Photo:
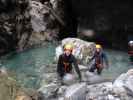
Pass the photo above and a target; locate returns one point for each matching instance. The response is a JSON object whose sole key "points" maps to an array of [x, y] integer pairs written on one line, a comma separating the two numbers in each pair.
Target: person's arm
{"points": [[106, 60], [76, 67], [59, 66]]}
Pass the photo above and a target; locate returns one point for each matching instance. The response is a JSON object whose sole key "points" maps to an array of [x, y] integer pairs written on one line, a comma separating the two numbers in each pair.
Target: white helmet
{"points": [[130, 43]]}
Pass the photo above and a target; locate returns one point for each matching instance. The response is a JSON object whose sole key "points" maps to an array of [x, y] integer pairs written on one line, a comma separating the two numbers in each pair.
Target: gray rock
{"points": [[82, 50], [75, 92], [49, 90], [92, 78], [96, 89], [121, 89], [36, 12], [48, 78], [42, 22], [124, 81], [62, 90], [82, 67], [99, 91]]}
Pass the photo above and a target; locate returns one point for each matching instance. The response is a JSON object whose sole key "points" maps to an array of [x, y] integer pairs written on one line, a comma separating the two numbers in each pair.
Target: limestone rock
{"points": [[124, 82], [76, 92], [49, 90], [82, 50], [42, 22]]}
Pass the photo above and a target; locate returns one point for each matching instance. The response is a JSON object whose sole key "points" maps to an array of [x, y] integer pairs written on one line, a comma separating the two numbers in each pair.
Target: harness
{"points": [[66, 66], [98, 60]]}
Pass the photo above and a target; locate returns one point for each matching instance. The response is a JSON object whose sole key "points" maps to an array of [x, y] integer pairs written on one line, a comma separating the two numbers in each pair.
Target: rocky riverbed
{"points": [[37, 72], [92, 87]]}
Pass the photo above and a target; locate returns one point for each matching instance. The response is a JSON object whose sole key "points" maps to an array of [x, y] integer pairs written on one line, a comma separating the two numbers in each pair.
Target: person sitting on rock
{"points": [[65, 62], [99, 58]]}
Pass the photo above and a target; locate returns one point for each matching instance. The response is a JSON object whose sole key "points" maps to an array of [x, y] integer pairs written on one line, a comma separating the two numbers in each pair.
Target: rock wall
{"points": [[14, 22], [24, 23], [45, 20], [99, 21]]}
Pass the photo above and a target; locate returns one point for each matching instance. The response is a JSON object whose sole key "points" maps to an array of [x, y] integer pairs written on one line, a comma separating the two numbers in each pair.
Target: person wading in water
{"points": [[99, 58], [65, 62]]}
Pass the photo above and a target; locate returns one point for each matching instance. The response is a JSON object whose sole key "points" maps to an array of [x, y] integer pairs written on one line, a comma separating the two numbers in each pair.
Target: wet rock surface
{"points": [[82, 50], [117, 90], [92, 87]]}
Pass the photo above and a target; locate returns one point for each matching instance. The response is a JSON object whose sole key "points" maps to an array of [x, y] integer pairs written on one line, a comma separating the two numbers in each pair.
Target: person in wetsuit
{"points": [[99, 58], [65, 62]]}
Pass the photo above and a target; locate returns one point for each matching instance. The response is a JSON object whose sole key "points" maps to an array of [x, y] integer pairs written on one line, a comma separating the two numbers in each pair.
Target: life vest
{"points": [[67, 63]]}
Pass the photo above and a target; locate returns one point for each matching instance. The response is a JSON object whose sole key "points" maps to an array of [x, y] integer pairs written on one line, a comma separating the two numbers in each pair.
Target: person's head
{"points": [[98, 47], [130, 43], [68, 49]]}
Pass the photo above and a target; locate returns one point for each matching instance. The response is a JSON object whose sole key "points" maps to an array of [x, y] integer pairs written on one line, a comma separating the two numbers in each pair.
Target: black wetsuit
{"points": [[65, 65]]}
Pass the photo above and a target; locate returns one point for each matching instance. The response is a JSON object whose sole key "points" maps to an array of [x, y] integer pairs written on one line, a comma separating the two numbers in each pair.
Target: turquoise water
{"points": [[119, 63], [26, 64]]}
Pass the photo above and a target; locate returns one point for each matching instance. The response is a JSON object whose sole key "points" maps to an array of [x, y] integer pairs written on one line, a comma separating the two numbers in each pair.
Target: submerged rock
{"points": [[49, 90], [92, 78]]}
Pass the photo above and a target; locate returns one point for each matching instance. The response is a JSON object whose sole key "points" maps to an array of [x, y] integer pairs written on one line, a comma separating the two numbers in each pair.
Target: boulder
{"points": [[49, 90], [62, 90], [82, 50], [76, 92], [120, 89], [99, 91], [124, 82], [93, 87]]}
